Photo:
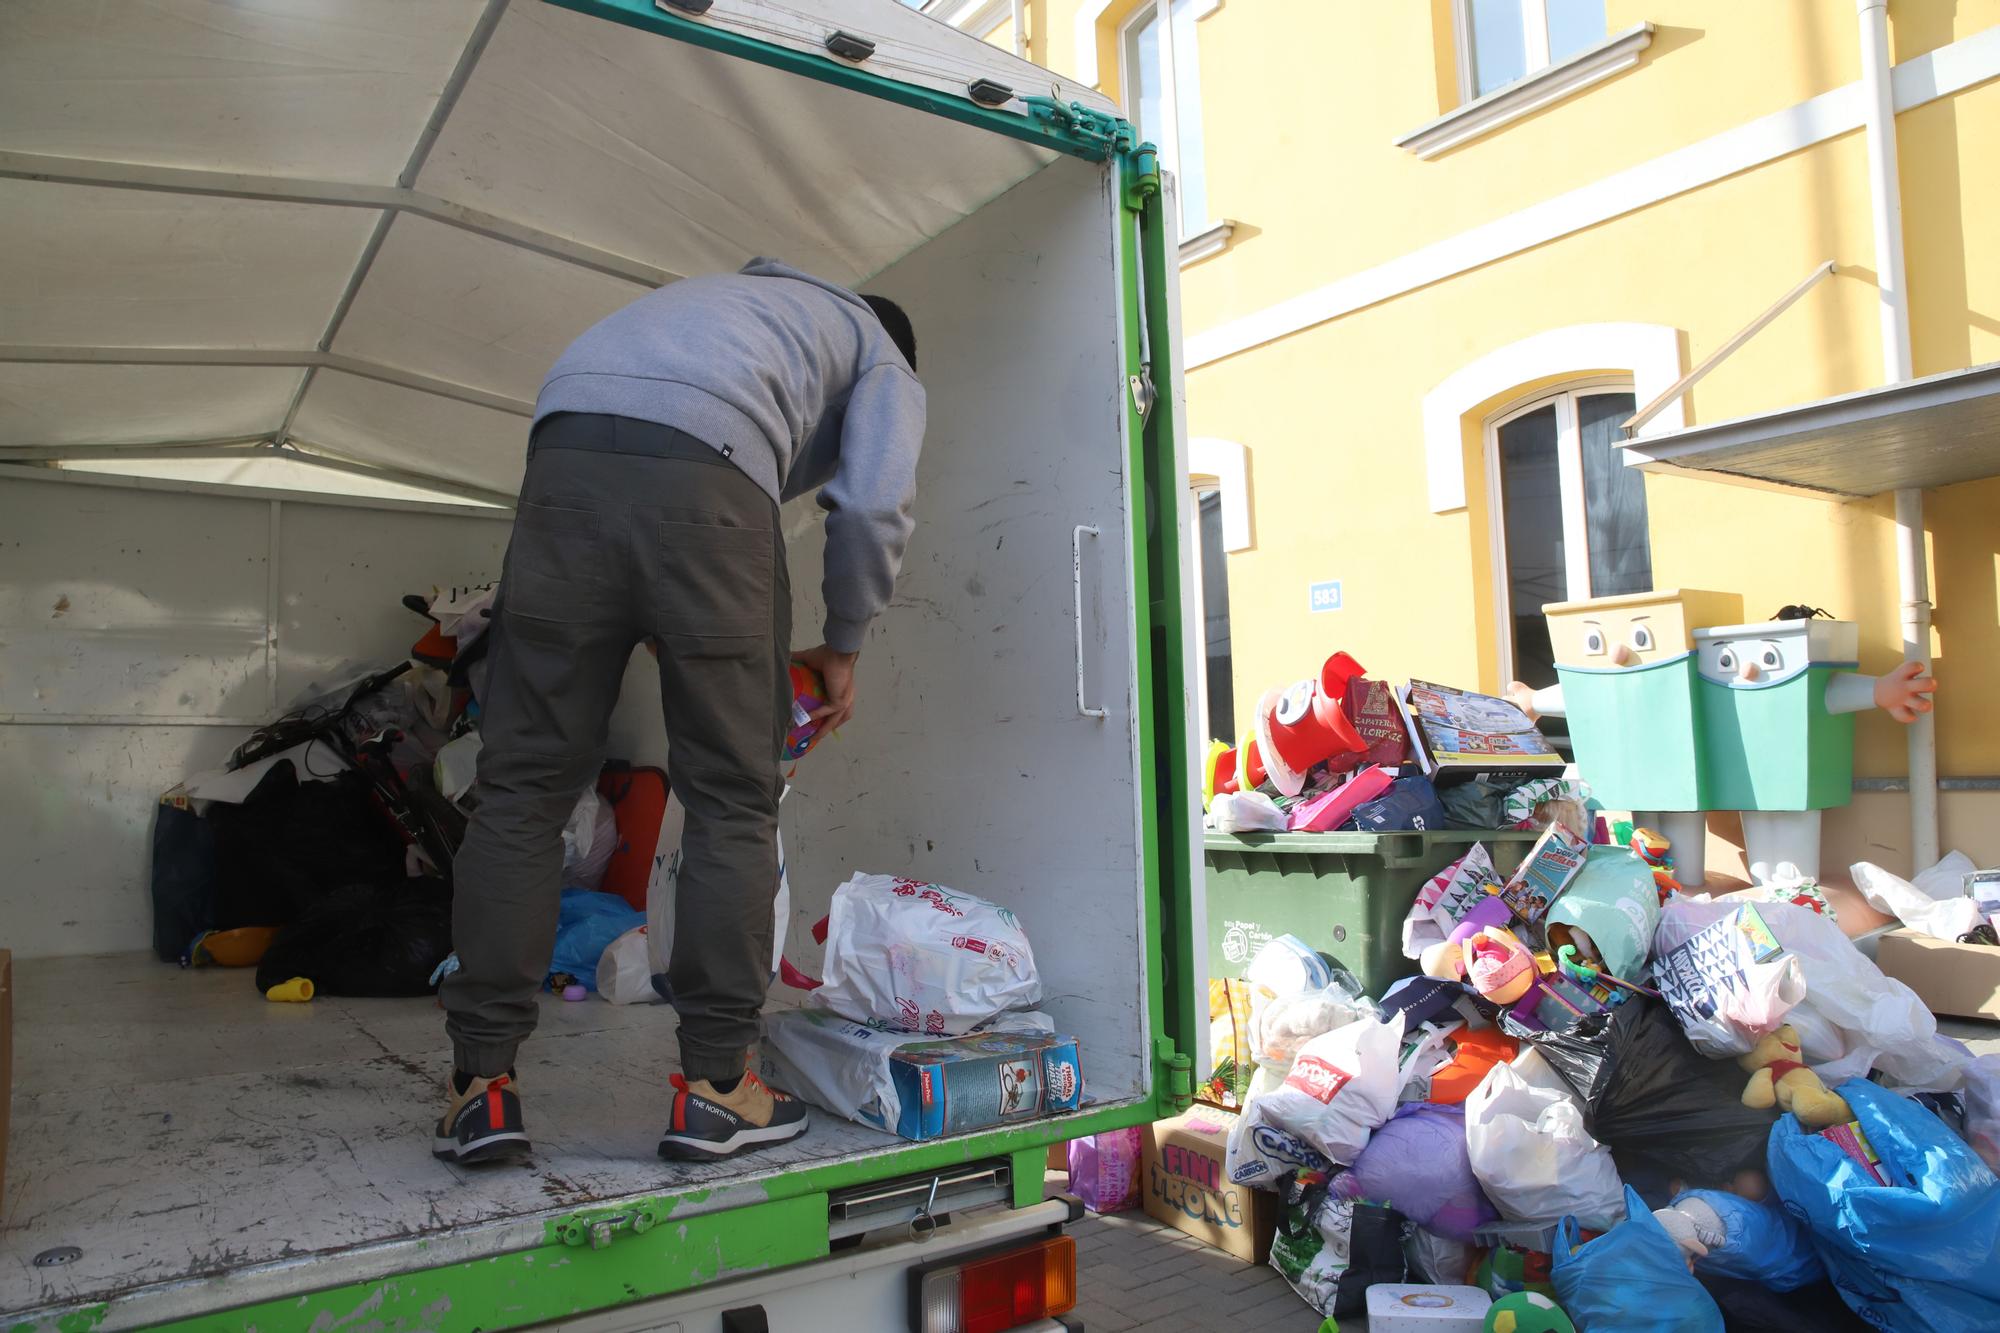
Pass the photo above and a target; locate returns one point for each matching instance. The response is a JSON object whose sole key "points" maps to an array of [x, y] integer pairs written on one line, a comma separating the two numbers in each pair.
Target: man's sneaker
{"points": [[708, 1124], [483, 1122]]}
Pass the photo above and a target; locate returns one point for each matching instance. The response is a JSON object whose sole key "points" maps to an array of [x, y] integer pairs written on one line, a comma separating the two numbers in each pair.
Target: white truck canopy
{"points": [[245, 237]]}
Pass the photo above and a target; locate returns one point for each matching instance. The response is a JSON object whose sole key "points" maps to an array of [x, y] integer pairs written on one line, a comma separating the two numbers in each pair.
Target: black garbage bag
{"points": [[1666, 1111], [1314, 1214], [365, 939], [1752, 1307], [183, 879], [291, 842]]}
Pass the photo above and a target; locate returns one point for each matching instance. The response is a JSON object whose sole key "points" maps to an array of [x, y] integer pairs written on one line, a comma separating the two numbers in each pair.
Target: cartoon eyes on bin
{"points": [[1642, 639], [1593, 642], [1728, 659]]}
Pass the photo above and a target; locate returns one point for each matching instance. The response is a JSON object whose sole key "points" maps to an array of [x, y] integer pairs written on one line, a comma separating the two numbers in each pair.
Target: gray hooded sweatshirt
{"points": [[792, 379]]}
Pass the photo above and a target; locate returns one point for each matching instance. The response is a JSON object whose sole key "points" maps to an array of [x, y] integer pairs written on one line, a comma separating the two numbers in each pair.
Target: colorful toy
{"points": [[1778, 1078], [1527, 1312], [1307, 724], [808, 694], [1446, 961], [1498, 965], [1677, 709]]}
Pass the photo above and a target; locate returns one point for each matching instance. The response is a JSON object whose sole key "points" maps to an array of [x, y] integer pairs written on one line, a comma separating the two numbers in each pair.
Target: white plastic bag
{"points": [[589, 838], [1288, 965], [843, 1066], [1853, 1017], [1935, 904], [1982, 1108], [1281, 1026], [663, 884], [1246, 812], [625, 970], [1340, 1088], [1533, 1156], [1724, 998], [924, 958]]}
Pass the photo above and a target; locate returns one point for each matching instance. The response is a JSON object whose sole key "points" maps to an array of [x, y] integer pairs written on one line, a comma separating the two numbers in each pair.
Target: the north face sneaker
{"points": [[483, 1122], [708, 1124]]}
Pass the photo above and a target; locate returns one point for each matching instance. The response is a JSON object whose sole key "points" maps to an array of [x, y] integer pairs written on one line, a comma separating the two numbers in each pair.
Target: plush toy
{"points": [[1777, 1078], [1527, 1312]]}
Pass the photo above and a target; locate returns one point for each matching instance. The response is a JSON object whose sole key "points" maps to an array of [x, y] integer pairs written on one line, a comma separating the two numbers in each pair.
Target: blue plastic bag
{"points": [[1917, 1253], [1766, 1244], [588, 924], [1632, 1279], [1410, 803]]}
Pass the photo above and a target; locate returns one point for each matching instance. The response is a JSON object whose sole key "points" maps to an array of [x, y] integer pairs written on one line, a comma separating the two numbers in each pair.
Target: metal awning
{"points": [[1919, 433]]}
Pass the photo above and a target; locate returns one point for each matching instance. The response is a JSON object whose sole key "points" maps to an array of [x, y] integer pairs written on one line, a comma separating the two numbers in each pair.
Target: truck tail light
{"points": [[1000, 1291]]}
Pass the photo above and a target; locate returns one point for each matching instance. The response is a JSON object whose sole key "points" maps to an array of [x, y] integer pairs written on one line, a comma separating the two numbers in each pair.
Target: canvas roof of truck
{"points": [[354, 233]]}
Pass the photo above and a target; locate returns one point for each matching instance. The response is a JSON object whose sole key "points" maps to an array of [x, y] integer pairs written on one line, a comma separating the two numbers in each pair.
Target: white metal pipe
{"points": [[1912, 560], [1020, 29]]}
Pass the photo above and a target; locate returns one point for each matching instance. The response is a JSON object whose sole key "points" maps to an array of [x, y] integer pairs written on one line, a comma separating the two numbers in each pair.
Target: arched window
{"points": [[1568, 517]]}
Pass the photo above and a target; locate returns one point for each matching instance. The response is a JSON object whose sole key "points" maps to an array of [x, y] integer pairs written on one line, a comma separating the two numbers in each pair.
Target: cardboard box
{"points": [[983, 1079], [1186, 1187], [1958, 979]]}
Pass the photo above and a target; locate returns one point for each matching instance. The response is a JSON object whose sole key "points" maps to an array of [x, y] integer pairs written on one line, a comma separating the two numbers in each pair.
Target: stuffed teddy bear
{"points": [[1778, 1079]]}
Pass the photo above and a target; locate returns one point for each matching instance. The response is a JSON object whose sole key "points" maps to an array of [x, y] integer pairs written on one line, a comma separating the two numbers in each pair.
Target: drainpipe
{"points": [[1020, 30], [1912, 560]]}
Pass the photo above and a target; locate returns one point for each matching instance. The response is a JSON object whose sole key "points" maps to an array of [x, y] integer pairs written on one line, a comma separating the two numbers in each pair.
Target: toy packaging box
{"points": [[1545, 873], [1185, 1186], [983, 1080]]}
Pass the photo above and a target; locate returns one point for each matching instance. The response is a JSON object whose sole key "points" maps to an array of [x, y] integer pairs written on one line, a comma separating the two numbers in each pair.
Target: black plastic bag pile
{"points": [[1666, 1111]]}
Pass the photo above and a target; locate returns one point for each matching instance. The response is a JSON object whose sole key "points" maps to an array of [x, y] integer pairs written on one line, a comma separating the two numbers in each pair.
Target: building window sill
{"points": [[1210, 240], [1503, 106]]}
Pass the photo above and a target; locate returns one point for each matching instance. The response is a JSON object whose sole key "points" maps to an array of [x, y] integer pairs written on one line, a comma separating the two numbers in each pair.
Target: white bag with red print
{"points": [[1339, 1090], [923, 958]]}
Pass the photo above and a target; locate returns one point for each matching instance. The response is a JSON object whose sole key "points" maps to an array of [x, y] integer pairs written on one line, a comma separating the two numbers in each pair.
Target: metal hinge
{"points": [[1144, 395], [598, 1227], [1099, 128], [1177, 1074]]}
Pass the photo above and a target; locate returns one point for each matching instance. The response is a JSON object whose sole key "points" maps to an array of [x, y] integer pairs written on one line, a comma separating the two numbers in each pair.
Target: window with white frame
{"points": [[1504, 40], [1569, 518], [1162, 77]]}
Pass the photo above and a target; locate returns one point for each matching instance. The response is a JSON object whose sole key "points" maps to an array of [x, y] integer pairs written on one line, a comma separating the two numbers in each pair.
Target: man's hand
{"points": [[837, 670], [1523, 697], [1905, 692]]}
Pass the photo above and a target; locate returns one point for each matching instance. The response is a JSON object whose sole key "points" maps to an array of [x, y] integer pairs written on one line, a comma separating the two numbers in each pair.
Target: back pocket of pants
{"points": [[713, 581], [555, 563]]}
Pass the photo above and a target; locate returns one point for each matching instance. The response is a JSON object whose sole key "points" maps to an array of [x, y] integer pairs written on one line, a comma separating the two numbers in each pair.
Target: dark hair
{"points": [[897, 325]]}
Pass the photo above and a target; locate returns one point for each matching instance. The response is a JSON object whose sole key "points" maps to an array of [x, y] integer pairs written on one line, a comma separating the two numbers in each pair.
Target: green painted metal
{"points": [[1165, 741], [552, 1280], [78, 1321], [1081, 134], [1345, 894]]}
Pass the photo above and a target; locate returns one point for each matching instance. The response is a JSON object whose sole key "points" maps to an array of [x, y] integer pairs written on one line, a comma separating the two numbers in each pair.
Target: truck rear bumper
{"points": [[868, 1288]]}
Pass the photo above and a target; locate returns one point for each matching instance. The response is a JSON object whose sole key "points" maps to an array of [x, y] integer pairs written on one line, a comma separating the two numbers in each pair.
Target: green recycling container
{"points": [[1345, 894]]}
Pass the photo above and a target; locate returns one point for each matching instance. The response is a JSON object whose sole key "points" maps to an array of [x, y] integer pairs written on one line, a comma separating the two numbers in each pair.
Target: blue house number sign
{"points": [[1326, 596]]}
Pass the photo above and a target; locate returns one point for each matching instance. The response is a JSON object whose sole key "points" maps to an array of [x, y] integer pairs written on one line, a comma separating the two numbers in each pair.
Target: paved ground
{"points": [[1139, 1274]]}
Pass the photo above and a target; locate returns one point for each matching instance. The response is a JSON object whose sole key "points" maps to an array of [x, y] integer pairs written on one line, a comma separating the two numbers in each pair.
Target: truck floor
{"points": [[174, 1125]]}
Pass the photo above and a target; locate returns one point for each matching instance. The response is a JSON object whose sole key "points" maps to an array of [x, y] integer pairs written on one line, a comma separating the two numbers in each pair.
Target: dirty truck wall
{"points": [[143, 633]]}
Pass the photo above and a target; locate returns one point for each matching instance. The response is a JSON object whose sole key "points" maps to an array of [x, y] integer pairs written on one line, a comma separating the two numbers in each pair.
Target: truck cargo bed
{"points": [[172, 1125]]}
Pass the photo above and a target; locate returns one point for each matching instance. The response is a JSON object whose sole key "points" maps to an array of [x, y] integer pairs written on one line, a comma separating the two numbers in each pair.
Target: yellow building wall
{"points": [[1302, 103]]}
